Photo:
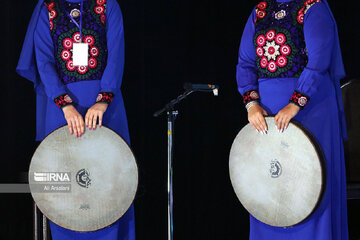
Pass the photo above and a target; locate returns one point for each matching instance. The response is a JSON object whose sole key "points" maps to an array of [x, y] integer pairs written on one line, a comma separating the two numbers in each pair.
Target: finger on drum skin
{"points": [[88, 125], [100, 120], [73, 125], [87, 119], [258, 126], [90, 120], [263, 123], [276, 119], [253, 125], [277, 122], [78, 129], [82, 125], [287, 124], [94, 121], [280, 124], [283, 124], [261, 126], [78, 126], [70, 127], [255, 128]]}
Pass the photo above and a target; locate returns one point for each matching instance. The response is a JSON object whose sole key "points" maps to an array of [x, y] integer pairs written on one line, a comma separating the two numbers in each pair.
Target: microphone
{"points": [[202, 87]]}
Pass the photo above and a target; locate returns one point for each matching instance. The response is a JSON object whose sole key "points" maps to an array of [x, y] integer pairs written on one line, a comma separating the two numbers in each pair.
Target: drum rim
{"points": [[137, 186], [323, 165], [322, 161]]}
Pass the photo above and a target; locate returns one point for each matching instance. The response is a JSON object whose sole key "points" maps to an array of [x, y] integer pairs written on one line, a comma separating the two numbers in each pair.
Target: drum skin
{"points": [[103, 178], [279, 177]]}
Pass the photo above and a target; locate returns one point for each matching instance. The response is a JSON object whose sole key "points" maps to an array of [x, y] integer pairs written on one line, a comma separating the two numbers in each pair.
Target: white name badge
{"points": [[80, 54]]}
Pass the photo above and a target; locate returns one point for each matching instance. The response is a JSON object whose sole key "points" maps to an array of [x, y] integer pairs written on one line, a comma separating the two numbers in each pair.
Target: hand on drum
{"points": [[94, 113], [74, 120], [256, 118], [282, 119]]}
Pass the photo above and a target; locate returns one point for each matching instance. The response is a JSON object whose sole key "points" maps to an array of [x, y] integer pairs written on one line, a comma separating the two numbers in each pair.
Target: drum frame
{"points": [[45, 215], [322, 161]]}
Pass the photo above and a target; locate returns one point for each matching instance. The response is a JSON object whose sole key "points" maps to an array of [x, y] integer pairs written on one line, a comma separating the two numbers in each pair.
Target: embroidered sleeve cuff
{"points": [[105, 97], [299, 99], [63, 100], [250, 96]]}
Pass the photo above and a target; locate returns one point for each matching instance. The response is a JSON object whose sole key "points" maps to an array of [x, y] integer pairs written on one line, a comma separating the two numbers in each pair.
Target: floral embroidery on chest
{"points": [[65, 33], [275, 50], [279, 38]]}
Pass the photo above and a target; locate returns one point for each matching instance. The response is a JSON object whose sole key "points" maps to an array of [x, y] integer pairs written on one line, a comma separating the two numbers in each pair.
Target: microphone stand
{"points": [[171, 117]]}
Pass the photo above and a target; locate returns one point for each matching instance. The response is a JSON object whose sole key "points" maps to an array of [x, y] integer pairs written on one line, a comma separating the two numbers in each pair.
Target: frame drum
{"points": [[83, 184], [279, 177]]}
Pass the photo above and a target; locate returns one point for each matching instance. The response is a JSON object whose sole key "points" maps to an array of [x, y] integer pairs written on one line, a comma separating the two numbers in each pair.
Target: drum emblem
{"points": [[275, 168], [83, 179]]}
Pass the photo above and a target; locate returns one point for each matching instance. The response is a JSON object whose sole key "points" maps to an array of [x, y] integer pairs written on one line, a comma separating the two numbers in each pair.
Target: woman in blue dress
{"points": [[290, 66], [78, 95]]}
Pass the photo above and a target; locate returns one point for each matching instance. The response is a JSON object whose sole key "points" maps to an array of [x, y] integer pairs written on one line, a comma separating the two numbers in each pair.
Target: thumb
{"points": [[265, 113]]}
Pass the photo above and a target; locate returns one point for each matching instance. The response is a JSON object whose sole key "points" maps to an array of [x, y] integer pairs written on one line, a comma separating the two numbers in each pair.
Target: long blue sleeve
{"points": [[45, 60], [319, 37], [246, 70], [112, 77]]}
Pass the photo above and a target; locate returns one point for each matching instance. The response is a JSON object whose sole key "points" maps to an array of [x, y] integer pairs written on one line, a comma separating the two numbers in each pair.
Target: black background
{"points": [[167, 43]]}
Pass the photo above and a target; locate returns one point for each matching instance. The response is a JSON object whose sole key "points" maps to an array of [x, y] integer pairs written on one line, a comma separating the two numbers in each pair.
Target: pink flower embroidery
{"points": [[272, 50]]}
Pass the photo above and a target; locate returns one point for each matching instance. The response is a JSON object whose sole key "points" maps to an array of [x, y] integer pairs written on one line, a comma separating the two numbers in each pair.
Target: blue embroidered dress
{"points": [[290, 52], [46, 60]]}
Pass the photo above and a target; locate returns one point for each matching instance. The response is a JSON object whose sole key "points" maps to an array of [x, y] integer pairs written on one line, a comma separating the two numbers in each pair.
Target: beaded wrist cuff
{"points": [[250, 96], [63, 100], [299, 99], [105, 97]]}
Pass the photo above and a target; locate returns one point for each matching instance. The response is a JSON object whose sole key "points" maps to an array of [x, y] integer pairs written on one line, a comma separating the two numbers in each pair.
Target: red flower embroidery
{"points": [[100, 2], [92, 62], [285, 50], [89, 40], [52, 14], [50, 5], [301, 13], [70, 66], [281, 61], [280, 39], [260, 10], [65, 54], [103, 18], [82, 69], [260, 13], [272, 66], [301, 10], [260, 51], [99, 9], [300, 18], [94, 51], [68, 43], [261, 40], [76, 37], [263, 62], [270, 35], [262, 5]]}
